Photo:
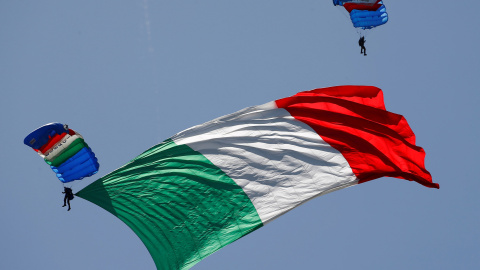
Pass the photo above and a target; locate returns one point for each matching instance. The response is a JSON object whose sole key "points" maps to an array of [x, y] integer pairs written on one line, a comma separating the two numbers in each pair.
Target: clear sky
{"points": [[129, 74]]}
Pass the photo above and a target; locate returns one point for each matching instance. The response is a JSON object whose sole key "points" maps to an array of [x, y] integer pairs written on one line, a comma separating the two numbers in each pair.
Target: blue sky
{"points": [[129, 74]]}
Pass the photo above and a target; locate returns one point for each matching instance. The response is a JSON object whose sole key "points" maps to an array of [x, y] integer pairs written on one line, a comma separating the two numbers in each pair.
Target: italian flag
{"points": [[211, 184]]}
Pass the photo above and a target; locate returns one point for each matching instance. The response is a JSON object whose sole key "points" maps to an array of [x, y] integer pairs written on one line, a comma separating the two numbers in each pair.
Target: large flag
{"points": [[211, 184]]}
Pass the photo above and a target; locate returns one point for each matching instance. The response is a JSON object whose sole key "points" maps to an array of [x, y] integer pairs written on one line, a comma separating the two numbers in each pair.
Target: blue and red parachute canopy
{"points": [[365, 14]]}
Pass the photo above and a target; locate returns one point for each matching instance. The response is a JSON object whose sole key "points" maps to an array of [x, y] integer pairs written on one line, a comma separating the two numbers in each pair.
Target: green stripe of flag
{"points": [[181, 205]]}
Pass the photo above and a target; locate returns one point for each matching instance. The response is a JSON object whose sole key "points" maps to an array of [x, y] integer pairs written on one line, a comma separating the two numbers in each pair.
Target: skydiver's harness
{"points": [[70, 195], [361, 42]]}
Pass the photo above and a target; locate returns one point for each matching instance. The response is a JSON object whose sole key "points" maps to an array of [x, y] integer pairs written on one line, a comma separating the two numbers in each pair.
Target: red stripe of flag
{"points": [[353, 120]]}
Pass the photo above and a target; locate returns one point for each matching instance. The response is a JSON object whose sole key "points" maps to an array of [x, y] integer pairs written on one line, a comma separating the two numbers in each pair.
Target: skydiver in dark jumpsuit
{"points": [[68, 196], [361, 43]]}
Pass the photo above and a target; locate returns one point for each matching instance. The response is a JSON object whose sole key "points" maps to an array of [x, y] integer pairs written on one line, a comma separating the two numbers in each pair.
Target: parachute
{"points": [[64, 150], [365, 14]]}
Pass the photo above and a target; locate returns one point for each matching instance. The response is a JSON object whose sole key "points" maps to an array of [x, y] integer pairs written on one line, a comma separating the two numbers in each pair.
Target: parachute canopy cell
{"points": [[365, 14], [64, 150]]}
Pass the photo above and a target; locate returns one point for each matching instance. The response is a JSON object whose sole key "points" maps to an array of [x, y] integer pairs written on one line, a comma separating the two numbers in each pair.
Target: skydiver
{"points": [[68, 196], [361, 43]]}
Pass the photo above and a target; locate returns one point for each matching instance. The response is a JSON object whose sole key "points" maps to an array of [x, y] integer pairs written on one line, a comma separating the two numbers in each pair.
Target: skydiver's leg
{"points": [[68, 201], [65, 201]]}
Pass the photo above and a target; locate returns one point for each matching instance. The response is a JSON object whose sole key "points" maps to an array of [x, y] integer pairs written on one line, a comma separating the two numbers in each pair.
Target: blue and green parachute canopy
{"points": [[365, 14], [64, 150]]}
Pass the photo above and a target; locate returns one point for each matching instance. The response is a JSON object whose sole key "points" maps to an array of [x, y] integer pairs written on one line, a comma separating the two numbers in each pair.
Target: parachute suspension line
{"points": [[63, 186], [344, 13], [71, 184], [68, 185], [361, 32]]}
